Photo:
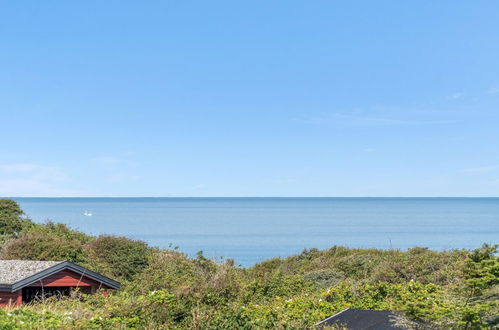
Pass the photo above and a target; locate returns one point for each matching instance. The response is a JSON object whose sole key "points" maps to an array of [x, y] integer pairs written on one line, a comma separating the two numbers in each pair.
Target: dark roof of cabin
{"points": [[16, 274], [362, 319]]}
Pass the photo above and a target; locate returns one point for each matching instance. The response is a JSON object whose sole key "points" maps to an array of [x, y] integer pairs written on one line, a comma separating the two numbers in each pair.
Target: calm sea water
{"points": [[253, 229]]}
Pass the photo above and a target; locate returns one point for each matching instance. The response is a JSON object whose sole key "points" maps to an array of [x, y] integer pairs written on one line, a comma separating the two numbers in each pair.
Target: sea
{"points": [[250, 230]]}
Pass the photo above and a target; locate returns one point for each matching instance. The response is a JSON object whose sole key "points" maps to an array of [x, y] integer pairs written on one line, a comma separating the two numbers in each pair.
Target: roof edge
{"points": [[93, 275], [326, 319], [57, 268], [5, 288]]}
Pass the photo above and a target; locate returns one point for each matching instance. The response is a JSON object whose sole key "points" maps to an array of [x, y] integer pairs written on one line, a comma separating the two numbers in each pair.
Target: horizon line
{"points": [[1, 197]]}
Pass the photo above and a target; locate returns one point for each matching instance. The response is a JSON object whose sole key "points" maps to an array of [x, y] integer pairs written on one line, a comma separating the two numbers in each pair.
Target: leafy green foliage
{"points": [[44, 246], [11, 220], [325, 278], [60, 230], [169, 270], [118, 256], [482, 269]]}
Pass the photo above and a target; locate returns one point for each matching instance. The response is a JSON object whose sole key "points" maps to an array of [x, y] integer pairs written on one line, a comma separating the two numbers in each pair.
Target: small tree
{"points": [[11, 218], [482, 271]]}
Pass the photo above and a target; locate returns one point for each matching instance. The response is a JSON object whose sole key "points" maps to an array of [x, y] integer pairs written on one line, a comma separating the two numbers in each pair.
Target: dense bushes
{"points": [[49, 241], [44, 246], [169, 270], [482, 268], [118, 256], [164, 289], [418, 264]]}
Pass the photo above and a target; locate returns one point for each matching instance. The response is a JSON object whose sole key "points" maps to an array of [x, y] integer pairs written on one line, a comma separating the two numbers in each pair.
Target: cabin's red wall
{"points": [[10, 298], [62, 278], [67, 278]]}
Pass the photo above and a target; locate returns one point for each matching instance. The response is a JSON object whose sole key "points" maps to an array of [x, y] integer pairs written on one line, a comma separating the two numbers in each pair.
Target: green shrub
{"points": [[421, 264], [118, 257], [60, 230], [325, 278], [279, 286], [482, 268], [167, 270], [11, 220], [357, 265], [44, 246]]}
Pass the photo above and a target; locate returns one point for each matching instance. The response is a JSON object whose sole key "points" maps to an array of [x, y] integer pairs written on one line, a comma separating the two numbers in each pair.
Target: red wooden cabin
{"points": [[22, 281]]}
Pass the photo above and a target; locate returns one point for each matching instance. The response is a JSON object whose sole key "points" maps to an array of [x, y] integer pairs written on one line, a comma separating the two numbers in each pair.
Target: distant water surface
{"points": [[253, 229]]}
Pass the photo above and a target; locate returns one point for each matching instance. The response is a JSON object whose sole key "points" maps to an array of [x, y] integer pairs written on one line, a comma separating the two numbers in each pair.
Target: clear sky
{"points": [[249, 98]]}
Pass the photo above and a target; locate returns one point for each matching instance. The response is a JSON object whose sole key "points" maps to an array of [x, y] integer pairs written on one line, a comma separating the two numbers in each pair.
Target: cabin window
{"points": [[39, 293]]}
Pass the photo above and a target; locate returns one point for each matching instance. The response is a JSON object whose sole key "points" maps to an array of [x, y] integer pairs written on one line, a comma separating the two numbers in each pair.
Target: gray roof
{"points": [[12, 271], [16, 274], [362, 319]]}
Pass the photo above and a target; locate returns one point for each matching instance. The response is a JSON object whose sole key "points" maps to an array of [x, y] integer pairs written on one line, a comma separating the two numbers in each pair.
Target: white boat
{"points": [[87, 214]]}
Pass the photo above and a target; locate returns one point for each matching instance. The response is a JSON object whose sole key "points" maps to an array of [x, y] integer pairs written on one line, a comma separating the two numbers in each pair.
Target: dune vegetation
{"points": [[165, 289]]}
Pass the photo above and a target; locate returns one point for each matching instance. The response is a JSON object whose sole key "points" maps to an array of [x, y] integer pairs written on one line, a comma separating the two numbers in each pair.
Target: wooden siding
{"points": [[67, 278], [10, 298], [62, 279]]}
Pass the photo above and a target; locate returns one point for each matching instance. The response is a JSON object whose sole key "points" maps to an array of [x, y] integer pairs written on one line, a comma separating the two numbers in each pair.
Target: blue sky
{"points": [[249, 98]]}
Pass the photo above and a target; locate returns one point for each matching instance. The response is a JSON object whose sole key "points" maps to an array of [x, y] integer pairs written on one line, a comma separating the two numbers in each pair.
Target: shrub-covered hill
{"points": [[164, 289]]}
